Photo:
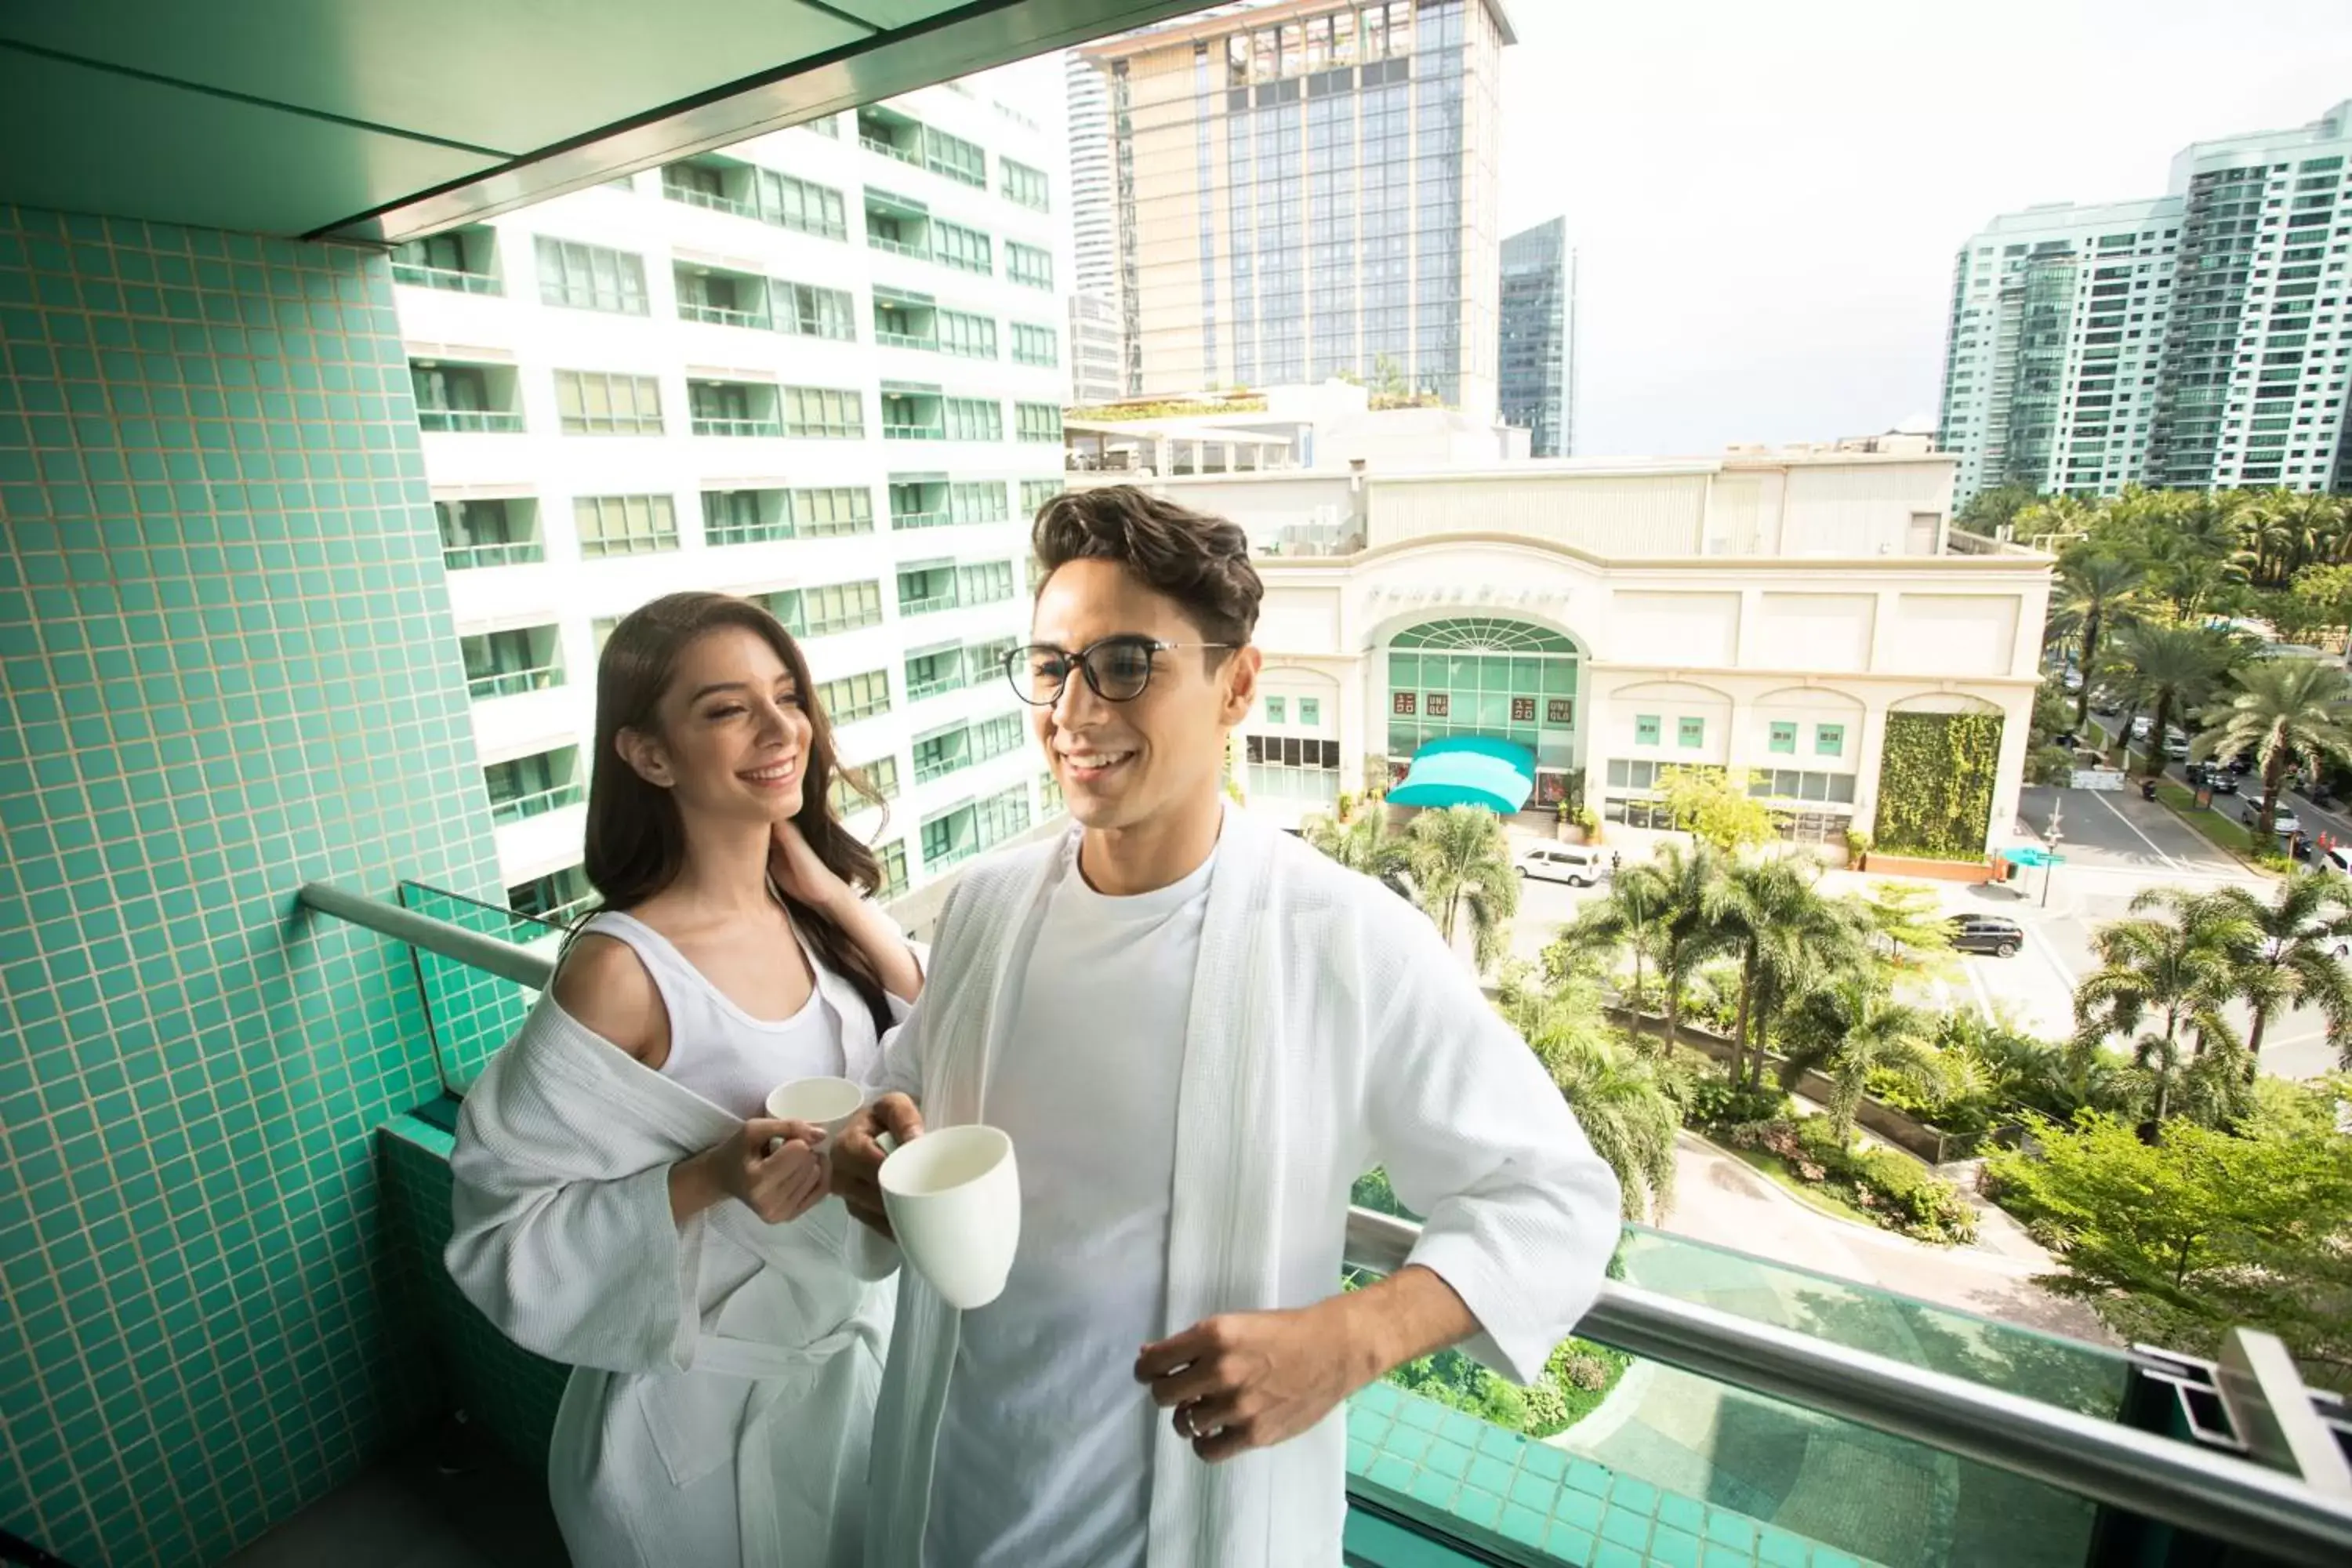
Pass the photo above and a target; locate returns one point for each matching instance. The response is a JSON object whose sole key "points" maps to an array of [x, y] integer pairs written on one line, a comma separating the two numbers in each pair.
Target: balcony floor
{"points": [[406, 1511]]}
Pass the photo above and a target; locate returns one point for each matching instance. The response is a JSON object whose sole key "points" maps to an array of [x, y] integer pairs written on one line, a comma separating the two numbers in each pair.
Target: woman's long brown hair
{"points": [[636, 840]]}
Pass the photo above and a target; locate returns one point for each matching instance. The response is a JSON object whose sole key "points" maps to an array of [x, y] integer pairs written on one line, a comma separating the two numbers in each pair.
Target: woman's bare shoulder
{"points": [[605, 987]]}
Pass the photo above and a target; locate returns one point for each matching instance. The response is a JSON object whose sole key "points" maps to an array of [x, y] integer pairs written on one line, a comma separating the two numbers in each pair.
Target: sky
{"points": [[1765, 198]]}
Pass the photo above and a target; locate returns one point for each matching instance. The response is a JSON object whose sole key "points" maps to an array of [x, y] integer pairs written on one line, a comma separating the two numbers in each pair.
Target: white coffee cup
{"points": [[831, 1104], [954, 1200]]}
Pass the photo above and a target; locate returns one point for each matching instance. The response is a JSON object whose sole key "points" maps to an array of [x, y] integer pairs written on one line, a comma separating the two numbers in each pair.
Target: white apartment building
{"points": [[1776, 613], [823, 368], [2196, 340]]}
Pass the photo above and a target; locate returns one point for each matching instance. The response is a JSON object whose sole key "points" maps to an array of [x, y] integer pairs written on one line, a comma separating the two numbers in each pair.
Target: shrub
{"points": [[1547, 1410], [1715, 1101], [1893, 1189]]}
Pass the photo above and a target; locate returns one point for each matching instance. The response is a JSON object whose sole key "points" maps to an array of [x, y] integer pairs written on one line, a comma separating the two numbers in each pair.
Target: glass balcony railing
{"points": [[914, 432], [927, 604], [715, 201], [906, 341], [746, 533], [477, 420], [936, 686], [716, 424], [507, 682], [1730, 1410], [890, 150], [920, 520], [896, 247], [722, 316], [450, 277], [511, 553], [535, 803]]}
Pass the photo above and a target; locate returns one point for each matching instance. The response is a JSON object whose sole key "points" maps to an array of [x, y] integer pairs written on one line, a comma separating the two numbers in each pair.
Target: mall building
{"points": [[1768, 611]]}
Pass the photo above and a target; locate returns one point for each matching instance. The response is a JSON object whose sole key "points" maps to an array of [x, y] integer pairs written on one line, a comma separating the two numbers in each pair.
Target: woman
{"points": [[622, 1201]]}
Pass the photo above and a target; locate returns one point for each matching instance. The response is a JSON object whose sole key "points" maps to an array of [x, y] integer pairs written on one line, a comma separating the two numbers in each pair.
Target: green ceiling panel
{"points": [[510, 75], [79, 139]]}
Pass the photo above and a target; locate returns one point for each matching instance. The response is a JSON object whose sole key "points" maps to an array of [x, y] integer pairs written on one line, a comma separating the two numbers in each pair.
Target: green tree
{"points": [[2287, 958], [1988, 513], [1619, 1099], [2173, 670], [1631, 918], [1851, 1029], [2177, 973], [1687, 924], [1904, 917], [2285, 711], [1771, 914], [1462, 862], [2177, 1238], [1363, 843], [2100, 592], [1714, 806], [2327, 590]]}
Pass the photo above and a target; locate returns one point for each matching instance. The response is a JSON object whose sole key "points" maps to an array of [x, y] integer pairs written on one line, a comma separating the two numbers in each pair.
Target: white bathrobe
{"points": [[1330, 1031], [725, 1373]]}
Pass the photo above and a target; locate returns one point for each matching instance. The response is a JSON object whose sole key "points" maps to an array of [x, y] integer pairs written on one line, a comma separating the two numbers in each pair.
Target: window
{"points": [[590, 278], [973, 418], [458, 397], [959, 159], [744, 516], [730, 409], [981, 501], [600, 631], [890, 860], [855, 696], [1027, 264], [1784, 738], [623, 525], [1049, 796], [1829, 739], [1690, 734], [1274, 709], [970, 336], [555, 897], [593, 404], [1024, 185], [966, 249], [1036, 493], [796, 203], [813, 312], [1790, 784], [840, 608], [1034, 345], [821, 412], [1291, 767], [941, 752], [933, 670], [1038, 421], [528, 786], [1645, 730], [880, 776], [487, 534], [500, 664], [825, 513], [984, 584], [994, 737], [459, 260]]}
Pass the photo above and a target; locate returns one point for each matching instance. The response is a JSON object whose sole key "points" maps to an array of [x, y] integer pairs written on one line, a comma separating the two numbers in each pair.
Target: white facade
{"points": [[1093, 224], [1760, 614], [944, 490]]}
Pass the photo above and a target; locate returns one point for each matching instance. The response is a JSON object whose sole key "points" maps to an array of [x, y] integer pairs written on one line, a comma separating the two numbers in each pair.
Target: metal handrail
{"points": [[2139, 1472]]}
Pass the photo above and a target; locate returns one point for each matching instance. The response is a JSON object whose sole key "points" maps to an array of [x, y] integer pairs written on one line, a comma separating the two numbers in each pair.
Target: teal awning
{"points": [[1468, 770]]}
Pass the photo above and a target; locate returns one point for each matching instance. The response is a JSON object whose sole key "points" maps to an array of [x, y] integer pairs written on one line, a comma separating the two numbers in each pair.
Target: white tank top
{"points": [[716, 1049]]}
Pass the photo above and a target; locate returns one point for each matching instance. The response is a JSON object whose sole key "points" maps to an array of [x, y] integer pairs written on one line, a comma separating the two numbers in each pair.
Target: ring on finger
{"points": [[1184, 1418]]}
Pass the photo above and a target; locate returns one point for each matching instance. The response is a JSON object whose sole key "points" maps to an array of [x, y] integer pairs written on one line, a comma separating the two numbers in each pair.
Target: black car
{"points": [[1995, 934]]}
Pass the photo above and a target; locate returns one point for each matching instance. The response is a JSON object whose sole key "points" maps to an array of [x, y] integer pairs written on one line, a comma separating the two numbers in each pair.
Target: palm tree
{"points": [[1362, 843], [2178, 970], [2288, 960], [1631, 917], [1851, 1029], [1787, 937], [2172, 667], [2284, 710], [1461, 859], [1624, 1109], [2100, 591]]}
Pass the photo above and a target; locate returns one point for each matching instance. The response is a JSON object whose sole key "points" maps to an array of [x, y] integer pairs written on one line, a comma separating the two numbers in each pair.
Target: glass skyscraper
{"points": [[1537, 378], [1303, 189], [2197, 341]]}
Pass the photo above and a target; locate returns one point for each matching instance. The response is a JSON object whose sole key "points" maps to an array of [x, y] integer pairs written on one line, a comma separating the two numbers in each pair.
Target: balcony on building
{"points": [[466, 398], [903, 320], [510, 662], [733, 408], [745, 517], [721, 184], [891, 133], [927, 587], [535, 784], [721, 298], [900, 225], [502, 531], [465, 260], [919, 500], [935, 671], [912, 412], [1095, 444]]}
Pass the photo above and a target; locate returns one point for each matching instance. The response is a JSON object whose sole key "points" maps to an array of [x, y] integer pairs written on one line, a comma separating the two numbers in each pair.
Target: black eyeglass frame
{"points": [[1016, 671]]}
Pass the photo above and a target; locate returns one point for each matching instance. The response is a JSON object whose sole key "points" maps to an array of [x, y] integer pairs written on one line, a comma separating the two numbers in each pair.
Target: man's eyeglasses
{"points": [[1117, 668]]}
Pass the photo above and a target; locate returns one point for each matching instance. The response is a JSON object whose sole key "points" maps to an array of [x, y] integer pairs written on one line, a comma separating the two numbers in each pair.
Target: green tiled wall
{"points": [[225, 668]]}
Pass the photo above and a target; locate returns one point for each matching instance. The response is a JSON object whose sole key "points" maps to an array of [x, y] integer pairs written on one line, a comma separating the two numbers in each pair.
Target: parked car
{"points": [[2175, 745], [2283, 821], [1574, 864], [1996, 934]]}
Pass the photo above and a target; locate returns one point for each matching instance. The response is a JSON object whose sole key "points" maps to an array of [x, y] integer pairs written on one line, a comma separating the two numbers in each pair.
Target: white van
{"points": [[1575, 864], [2337, 859]]}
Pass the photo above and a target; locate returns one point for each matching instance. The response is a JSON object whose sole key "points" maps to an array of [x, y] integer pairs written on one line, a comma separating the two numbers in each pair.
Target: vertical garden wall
{"points": [[1936, 778]]}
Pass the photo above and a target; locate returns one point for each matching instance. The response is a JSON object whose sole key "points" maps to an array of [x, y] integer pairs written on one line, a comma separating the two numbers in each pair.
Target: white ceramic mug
{"points": [[954, 1200], [831, 1104]]}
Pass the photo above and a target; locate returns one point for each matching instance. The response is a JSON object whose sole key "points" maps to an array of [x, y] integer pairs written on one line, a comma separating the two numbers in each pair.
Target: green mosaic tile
{"points": [[1447, 1458], [1682, 1513], [1625, 1528], [1671, 1548], [1611, 1554], [1720, 1556], [1727, 1529], [1779, 1549]]}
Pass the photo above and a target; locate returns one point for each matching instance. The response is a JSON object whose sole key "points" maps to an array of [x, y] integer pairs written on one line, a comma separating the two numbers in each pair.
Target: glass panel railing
{"points": [[927, 604], [513, 553], [477, 421], [450, 277], [722, 316], [914, 432], [919, 689], [906, 340], [747, 533], [708, 199], [468, 1011], [920, 519], [507, 682], [897, 246], [890, 150], [533, 804], [705, 425]]}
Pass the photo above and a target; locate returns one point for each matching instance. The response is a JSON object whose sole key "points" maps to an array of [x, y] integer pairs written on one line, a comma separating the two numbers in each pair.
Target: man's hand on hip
{"points": [[857, 1155], [1250, 1380]]}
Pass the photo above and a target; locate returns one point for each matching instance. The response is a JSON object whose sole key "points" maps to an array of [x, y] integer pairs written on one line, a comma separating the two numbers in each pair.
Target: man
{"points": [[1197, 1032]]}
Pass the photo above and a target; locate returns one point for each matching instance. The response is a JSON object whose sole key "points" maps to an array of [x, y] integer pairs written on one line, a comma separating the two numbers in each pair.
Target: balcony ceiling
{"points": [[382, 119]]}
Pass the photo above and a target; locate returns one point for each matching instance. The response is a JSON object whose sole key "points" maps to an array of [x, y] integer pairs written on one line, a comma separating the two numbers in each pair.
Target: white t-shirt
{"points": [[1044, 1447]]}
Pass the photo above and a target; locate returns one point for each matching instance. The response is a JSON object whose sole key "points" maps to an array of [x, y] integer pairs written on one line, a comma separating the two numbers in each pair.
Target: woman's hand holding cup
{"points": [[860, 1149], [770, 1166]]}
